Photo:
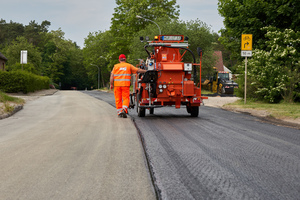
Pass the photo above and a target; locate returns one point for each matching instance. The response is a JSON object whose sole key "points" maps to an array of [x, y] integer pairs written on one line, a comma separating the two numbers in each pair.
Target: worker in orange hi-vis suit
{"points": [[120, 80]]}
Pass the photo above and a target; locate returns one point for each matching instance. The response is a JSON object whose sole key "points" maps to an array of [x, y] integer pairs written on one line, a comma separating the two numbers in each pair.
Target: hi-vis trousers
{"points": [[122, 98]]}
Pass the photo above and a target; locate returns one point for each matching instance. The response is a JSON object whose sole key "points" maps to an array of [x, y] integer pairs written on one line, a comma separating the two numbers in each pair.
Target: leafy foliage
{"points": [[5, 98], [9, 32], [274, 67], [17, 81], [251, 16], [125, 23], [12, 53], [275, 74], [97, 53], [49, 53]]}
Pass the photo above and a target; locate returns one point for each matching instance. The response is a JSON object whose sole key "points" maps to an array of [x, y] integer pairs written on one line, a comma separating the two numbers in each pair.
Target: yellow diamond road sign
{"points": [[246, 42]]}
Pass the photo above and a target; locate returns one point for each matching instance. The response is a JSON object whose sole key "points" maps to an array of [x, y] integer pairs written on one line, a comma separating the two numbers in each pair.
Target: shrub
{"points": [[22, 81]]}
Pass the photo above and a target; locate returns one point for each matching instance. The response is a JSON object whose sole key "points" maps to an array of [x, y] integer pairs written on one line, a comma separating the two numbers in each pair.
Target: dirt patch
{"points": [[254, 112], [219, 101]]}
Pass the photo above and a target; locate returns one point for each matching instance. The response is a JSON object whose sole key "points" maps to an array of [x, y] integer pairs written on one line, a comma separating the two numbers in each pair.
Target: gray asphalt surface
{"points": [[68, 146], [219, 155]]}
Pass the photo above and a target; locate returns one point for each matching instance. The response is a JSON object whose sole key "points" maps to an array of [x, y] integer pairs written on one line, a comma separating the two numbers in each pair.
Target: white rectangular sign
{"points": [[246, 53], [24, 57]]}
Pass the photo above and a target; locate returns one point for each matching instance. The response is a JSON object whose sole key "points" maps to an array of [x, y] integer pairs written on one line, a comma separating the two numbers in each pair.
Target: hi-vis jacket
{"points": [[122, 74]]}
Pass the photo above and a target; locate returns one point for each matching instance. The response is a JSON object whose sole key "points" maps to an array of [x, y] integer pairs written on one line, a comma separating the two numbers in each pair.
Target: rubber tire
{"points": [[223, 90], [141, 112], [137, 102], [188, 109], [194, 111], [151, 111], [219, 89]]}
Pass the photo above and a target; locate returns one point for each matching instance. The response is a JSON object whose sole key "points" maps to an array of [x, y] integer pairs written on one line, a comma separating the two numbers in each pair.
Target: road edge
{"points": [[19, 107], [268, 119], [150, 168]]}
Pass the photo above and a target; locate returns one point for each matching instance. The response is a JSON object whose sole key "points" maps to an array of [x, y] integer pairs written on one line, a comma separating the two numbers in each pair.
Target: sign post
{"points": [[246, 47], [23, 57]]}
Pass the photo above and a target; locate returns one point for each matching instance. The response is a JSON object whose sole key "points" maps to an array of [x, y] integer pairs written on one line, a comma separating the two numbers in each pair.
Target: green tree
{"points": [[251, 16], [34, 32], [9, 32], [63, 61], [79, 77], [13, 52], [274, 74], [226, 54], [49, 53], [125, 23], [97, 52]]}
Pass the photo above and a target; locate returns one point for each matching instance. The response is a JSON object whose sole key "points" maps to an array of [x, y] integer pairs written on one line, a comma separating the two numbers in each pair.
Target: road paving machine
{"points": [[220, 83], [169, 81]]}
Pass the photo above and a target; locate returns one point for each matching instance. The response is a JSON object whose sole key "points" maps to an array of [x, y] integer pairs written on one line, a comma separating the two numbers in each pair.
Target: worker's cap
{"points": [[122, 56]]}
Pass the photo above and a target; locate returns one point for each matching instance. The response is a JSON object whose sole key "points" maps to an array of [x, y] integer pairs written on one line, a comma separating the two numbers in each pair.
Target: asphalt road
{"points": [[71, 146], [219, 155]]}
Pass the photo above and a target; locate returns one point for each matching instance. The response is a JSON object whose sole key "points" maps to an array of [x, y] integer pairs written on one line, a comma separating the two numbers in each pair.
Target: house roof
{"points": [[3, 57], [219, 60]]}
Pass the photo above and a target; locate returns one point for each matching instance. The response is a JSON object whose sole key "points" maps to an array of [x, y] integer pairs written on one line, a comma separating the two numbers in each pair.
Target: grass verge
{"points": [[7, 102], [4, 98], [206, 92], [279, 111]]}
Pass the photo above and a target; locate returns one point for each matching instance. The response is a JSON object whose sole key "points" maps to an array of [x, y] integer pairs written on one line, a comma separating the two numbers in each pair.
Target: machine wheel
{"points": [[141, 111], [220, 86], [188, 109], [223, 90], [151, 111], [137, 102], [194, 111], [132, 101]]}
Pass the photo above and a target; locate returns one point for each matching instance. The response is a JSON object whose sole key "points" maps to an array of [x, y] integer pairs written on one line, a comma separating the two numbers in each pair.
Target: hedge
{"points": [[22, 81]]}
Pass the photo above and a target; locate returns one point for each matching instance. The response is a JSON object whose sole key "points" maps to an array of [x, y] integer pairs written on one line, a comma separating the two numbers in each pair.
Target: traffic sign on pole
{"points": [[246, 47], [246, 53], [246, 42]]}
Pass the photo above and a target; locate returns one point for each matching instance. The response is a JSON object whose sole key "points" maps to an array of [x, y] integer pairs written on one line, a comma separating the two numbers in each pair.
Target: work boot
{"points": [[123, 114]]}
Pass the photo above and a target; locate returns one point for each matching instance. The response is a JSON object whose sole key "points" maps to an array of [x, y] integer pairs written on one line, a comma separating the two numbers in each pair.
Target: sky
{"points": [[77, 18]]}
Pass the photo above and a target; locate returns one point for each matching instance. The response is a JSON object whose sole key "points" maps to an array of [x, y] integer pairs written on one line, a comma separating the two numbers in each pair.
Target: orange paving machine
{"points": [[169, 81]]}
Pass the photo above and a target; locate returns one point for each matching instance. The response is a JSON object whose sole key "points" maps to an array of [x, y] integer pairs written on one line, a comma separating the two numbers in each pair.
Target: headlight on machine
{"points": [[188, 67], [161, 90], [164, 86], [160, 86]]}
